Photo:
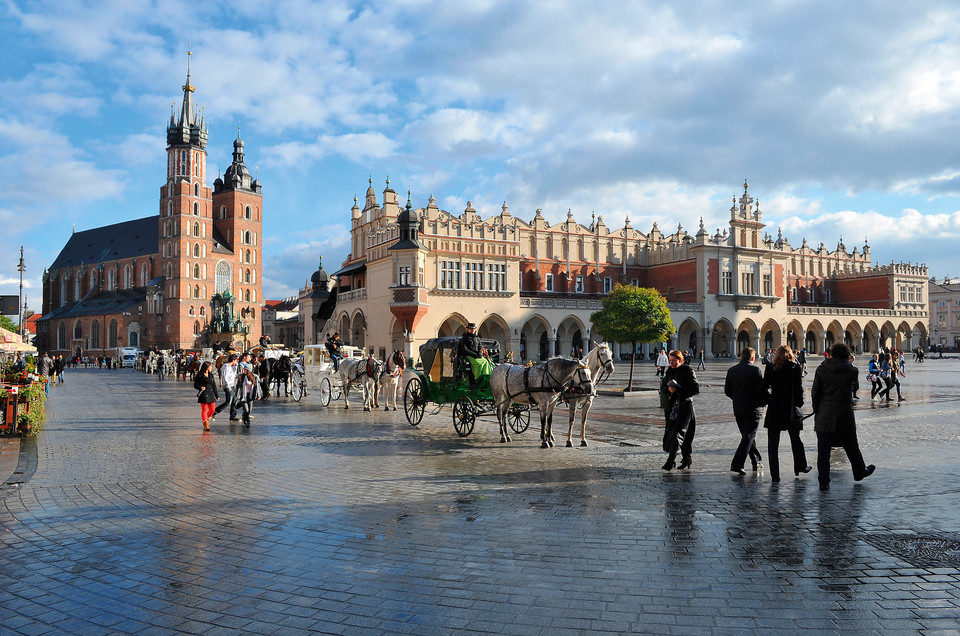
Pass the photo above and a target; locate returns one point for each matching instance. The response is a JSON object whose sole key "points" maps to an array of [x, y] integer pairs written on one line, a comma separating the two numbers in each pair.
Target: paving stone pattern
{"points": [[132, 520]]}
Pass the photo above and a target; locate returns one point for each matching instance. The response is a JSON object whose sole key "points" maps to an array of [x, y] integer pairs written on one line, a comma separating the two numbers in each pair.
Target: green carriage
{"points": [[445, 380]]}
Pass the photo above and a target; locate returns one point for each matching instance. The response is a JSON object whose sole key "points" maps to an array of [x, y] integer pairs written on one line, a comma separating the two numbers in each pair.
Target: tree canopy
{"points": [[634, 314], [7, 323]]}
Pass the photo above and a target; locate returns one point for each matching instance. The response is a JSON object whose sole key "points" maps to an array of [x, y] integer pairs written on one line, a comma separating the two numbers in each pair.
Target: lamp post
{"points": [[21, 267]]}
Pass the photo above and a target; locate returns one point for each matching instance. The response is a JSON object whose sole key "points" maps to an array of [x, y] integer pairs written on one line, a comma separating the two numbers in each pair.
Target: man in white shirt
{"points": [[228, 374]]}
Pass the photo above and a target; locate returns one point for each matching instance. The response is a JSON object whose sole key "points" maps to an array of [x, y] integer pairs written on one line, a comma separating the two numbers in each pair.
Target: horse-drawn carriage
{"points": [[315, 372], [445, 379]]}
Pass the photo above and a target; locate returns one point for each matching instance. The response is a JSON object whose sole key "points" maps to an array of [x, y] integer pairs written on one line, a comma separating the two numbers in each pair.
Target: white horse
{"points": [[364, 372], [600, 362], [390, 379], [538, 384]]}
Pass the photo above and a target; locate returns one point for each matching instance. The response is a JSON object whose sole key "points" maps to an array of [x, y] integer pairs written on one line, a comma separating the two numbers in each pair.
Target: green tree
{"points": [[7, 323], [633, 314]]}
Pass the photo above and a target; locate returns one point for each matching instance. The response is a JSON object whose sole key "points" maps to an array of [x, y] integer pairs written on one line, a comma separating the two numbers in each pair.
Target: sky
{"points": [[843, 117]]}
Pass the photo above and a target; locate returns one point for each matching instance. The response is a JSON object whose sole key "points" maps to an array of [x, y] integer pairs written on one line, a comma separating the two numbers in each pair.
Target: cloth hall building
{"points": [[184, 278], [532, 285]]}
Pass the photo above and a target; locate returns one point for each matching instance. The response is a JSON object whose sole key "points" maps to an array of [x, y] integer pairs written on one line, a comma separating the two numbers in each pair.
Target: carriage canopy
{"points": [[438, 356]]}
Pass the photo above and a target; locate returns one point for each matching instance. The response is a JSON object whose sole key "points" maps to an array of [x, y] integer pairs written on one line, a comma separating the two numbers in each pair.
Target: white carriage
{"points": [[315, 372]]}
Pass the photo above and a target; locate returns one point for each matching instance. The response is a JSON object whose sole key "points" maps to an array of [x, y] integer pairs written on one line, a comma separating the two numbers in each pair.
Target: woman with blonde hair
{"points": [[783, 379]]}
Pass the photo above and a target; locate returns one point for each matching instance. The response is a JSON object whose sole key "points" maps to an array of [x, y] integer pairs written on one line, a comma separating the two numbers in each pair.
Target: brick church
{"points": [[184, 278]]}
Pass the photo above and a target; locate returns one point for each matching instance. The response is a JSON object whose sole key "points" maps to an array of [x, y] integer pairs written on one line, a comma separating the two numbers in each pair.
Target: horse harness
{"points": [[399, 368], [568, 392]]}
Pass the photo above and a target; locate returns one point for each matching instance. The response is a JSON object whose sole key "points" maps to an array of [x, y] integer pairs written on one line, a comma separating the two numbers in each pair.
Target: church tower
{"points": [[185, 227]]}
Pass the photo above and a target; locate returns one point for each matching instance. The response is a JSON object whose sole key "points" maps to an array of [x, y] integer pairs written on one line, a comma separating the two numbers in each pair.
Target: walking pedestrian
{"points": [[44, 370], [677, 388], [59, 366], [160, 363], [873, 375], [700, 362], [247, 387], [784, 380], [662, 362], [802, 360], [744, 385], [228, 378], [884, 394], [207, 395], [896, 371], [835, 422]]}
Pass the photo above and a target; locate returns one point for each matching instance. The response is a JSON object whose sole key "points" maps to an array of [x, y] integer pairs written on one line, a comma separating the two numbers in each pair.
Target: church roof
{"points": [[129, 239], [102, 304]]}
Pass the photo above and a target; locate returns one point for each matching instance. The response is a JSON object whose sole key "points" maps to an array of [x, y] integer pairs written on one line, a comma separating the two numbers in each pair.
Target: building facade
{"points": [[532, 285], [945, 314], [180, 279]]}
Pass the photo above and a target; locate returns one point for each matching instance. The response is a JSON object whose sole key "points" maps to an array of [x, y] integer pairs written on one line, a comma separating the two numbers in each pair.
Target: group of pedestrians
{"points": [[884, 372], [241, 387], [779, 391]]}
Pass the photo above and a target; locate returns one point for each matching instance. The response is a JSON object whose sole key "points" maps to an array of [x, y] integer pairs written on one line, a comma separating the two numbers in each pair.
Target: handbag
{"points": [[796, 413]]}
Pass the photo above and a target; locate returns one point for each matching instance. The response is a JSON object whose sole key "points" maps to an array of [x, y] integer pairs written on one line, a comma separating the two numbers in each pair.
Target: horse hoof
{"points": [[583, 442], [544, 445], [394, 408], [386, 408], [569, 444], [503, 441]]}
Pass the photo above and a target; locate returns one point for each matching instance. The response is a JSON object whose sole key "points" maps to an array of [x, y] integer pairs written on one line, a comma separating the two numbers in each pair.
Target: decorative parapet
{"points": [[560, 303], [858, 311], [353, 294], [902, 269]]}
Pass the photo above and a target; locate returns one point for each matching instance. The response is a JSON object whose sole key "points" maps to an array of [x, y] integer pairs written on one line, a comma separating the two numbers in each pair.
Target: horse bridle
{"points": [[577, 390], [399, 369]]}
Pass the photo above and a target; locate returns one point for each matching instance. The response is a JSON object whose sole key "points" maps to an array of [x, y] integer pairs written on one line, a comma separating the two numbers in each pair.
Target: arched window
{"points": [[196, 328], [196, 270], [168, 271], [62, 336], [111, 281], [246, 295], [196, 228], [93, 280], [169, 208], [190, 311], [143, 276], [78, 330], [247, 214], [95, 334], [196, 294], [196, 250], [196, 189], [246, 257], [112, 335], [223, 211], [196, 209], [222, 281], [246, 277], [76, 287], [127, 278], [246, 237]]}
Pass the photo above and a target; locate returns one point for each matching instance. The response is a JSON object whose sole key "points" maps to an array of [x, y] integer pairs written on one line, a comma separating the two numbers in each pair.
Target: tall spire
{"points": [[186, 111]]}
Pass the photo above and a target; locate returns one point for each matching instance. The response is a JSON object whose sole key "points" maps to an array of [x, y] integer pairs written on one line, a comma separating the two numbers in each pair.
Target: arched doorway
{"points": [[743, 341], [544, 347]]}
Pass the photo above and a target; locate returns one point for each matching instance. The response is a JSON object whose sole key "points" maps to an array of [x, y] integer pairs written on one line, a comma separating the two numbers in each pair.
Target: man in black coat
{"points": [[834, 384], [471, 350], [744, 385]]}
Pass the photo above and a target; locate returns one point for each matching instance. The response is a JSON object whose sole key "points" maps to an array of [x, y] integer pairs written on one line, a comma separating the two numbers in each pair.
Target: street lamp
{"points": [[21, 267]]}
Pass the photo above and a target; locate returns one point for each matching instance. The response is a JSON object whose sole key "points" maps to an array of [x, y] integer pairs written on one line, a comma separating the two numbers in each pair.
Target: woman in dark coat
{"points": [[207, 396], [677, 388], [783, 379], [832, 395]]}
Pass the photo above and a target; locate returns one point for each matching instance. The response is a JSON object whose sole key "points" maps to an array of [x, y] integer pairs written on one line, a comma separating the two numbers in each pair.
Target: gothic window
{"points": [[127, 278], [246, 237], [168, 271], [63, 290], [196, 209], [169, 208], [196, 228], [247, 213], [196, 270], [112, 335], [246, 295], [246, 277], [183, 162], [95, 334], [222, 277], [78, 330], [62, 336], [202, 312], [111, 281], [196, 292], [196, 328], [196, 189], [196, 250], [190, 311], [223, 211], [93, 280], [246, 256], [143, 276], [76, 287]]}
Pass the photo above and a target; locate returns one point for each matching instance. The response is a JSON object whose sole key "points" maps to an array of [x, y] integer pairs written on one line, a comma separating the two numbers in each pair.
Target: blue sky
{"points": [[844, 117]]}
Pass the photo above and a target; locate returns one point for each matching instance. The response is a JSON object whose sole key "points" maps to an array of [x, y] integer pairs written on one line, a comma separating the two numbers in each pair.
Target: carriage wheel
{"points": [[464, 415], [414, 403], [326, 391], [297, 385], [336, 392], [518, 418]]}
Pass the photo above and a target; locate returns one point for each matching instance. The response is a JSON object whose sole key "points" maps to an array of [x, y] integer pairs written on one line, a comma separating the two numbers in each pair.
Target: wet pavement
{"points": [[124, 517]]}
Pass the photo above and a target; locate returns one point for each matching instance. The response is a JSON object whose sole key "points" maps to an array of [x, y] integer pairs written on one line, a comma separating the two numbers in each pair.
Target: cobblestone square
{"points": [[123, 516]]}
